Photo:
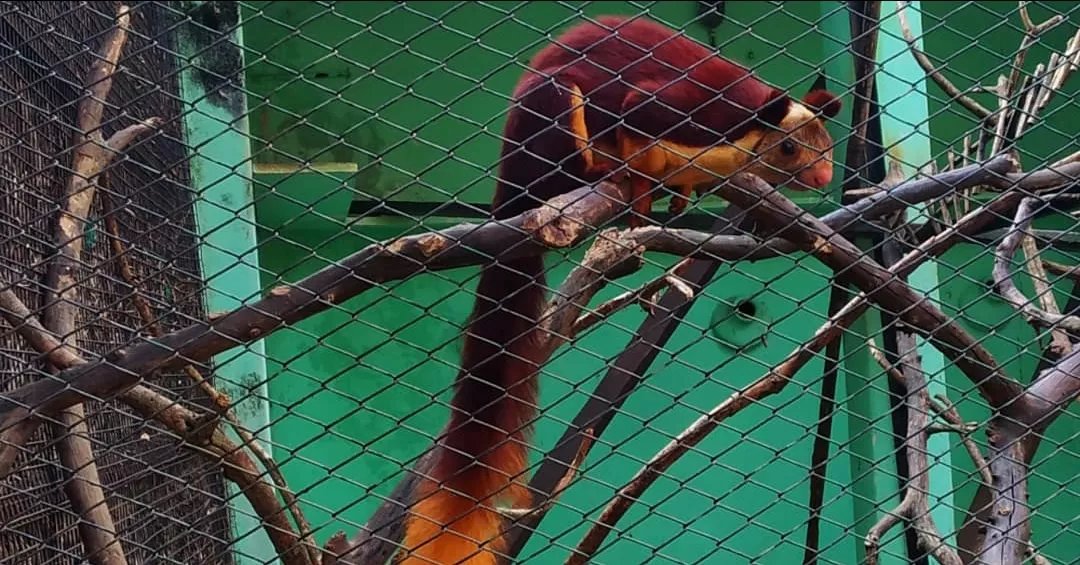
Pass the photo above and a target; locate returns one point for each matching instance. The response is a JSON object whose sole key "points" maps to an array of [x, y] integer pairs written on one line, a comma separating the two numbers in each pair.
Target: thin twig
{"points": [[949, 414], [645, 295], [1008, 87], [945, 410], [564, 483], [979, 110], [1059, 340], [1062, 270]]}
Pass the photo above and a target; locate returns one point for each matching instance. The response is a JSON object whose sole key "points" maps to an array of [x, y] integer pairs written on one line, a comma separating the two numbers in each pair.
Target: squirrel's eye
{"points": [[787, 147]]}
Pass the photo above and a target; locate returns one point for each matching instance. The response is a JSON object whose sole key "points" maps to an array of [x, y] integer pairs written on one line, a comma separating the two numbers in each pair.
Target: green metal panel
{"points": [[215, 130], [422, 123]]}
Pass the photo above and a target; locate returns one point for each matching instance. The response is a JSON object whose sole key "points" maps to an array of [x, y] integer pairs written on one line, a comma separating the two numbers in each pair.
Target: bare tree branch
{"points": [[83, 487], [459, 246], [236, 465], [646, 296], [774, 381], [219, 401], [948, 412], [1014, 430], [915, 505], [777, 212], [1062, 270], [527, 234]]}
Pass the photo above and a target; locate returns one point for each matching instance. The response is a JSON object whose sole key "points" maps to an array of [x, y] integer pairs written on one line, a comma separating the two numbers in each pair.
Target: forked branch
{"points": [[777, 378], [1003, 283], [219, 401], [91, 157]]}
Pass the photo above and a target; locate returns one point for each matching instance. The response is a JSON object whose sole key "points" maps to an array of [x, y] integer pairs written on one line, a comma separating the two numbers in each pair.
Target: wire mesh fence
{"points": [[539, 282]]}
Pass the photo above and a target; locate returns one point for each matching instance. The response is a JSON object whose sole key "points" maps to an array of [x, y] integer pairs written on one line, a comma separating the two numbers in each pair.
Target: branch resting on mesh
{"points": [[186, 424]]}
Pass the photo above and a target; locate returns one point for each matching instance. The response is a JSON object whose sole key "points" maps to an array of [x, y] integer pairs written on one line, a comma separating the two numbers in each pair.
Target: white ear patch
{"points": [[797, 115]]}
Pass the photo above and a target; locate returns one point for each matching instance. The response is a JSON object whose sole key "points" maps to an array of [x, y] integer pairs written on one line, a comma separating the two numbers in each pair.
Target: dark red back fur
{"points": [[703, 97]]}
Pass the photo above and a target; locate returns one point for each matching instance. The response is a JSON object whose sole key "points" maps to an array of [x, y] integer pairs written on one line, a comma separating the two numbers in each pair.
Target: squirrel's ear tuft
{"points": [[823, 101]]}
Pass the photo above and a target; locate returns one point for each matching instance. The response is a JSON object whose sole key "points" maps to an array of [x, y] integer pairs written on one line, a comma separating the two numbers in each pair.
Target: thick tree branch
{"points": [[1008, 530], [1014, 430], [564, 221], [459, 246], [775, 211]]}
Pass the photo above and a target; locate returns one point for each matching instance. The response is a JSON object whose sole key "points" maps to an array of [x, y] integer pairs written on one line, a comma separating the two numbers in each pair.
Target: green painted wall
{"points": [[975, 42], [351, 389]]}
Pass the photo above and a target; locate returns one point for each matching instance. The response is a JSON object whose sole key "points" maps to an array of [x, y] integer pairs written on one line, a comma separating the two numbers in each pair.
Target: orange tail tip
{"points": [[471, 538]]}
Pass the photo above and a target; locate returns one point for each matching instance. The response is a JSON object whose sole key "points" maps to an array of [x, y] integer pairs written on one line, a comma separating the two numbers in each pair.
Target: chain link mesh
{"points": [[246, 238]]}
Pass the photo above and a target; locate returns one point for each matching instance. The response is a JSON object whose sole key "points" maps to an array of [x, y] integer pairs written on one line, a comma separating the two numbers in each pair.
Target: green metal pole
{"points": [[905, 126], [215, 128], [863, 400]]}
